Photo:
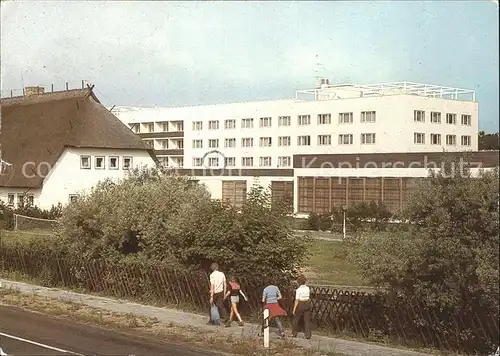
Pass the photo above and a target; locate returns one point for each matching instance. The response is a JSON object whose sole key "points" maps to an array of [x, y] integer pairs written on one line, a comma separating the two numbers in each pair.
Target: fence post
{"points": [[266, 328]]}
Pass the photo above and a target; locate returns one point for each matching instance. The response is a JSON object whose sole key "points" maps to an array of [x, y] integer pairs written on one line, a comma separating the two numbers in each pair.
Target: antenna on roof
{"points": [[112, 108]]}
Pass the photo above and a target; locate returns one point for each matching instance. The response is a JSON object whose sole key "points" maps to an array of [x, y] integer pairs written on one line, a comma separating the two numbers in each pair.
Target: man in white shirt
{"points": [[218, 288], [302, 308]]}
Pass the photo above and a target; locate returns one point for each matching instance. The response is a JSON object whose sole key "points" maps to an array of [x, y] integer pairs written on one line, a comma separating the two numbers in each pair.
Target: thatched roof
{"points": [[39, 127]]}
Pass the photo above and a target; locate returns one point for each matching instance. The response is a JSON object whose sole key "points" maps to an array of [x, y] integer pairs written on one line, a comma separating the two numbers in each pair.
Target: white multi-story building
{"points": [[275, 138]]}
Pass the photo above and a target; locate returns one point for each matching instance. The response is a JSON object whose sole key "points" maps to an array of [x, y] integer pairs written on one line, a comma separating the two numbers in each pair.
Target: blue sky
{"points": [[184, 53]]}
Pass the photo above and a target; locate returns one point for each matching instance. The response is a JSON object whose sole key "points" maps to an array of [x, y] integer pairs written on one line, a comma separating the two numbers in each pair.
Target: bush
{"points": [[155, 216], [449, 257]]}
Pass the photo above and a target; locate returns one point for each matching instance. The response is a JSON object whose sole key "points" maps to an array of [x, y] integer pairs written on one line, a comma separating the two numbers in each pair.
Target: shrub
{"points": [[155, 216], [449, 257]]}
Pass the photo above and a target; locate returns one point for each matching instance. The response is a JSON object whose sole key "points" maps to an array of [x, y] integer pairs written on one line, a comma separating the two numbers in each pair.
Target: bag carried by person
{"points": [[214, 314]]}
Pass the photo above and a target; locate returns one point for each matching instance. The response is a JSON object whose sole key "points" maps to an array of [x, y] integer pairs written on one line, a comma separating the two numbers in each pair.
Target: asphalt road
{"points": [[26, 333]]}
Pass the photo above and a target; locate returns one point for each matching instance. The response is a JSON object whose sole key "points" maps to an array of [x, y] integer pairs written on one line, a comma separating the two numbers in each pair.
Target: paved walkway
{"points": [[199, 321]]}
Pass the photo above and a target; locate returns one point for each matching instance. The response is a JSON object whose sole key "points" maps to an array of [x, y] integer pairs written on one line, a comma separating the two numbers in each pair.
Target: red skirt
{"points": [[275, 310]]}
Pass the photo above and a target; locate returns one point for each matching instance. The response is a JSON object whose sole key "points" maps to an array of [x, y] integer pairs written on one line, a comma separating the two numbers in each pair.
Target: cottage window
{"points": [[85, 162], [113, 163], [10, 199], [99, 163], [127, 162]]}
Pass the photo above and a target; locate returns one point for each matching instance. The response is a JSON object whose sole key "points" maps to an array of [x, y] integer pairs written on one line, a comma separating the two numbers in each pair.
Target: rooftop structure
{"points": [[327, 91]]}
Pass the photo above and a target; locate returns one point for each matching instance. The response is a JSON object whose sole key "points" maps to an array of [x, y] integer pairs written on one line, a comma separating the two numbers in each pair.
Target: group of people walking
{"points": [[220, 290]]}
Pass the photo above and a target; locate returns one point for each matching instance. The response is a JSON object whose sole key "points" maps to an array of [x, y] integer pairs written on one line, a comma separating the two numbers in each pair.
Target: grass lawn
{"points": [[8, 236], [327, 265]]}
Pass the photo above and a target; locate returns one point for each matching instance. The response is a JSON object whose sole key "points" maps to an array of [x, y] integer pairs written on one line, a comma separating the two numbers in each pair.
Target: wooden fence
{"points": [[364, 315]]}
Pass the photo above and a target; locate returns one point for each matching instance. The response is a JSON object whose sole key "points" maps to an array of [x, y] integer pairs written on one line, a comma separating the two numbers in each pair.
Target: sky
{"points": [[190, 53]]}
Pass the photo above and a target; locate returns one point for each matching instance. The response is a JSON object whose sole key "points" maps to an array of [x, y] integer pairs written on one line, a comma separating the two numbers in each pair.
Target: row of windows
{"points": [[284, 161], [100, 162], [22, 200], [283, 121], [451, 118], [285, 141], [163, 126], [29, 199], [435, 139]]}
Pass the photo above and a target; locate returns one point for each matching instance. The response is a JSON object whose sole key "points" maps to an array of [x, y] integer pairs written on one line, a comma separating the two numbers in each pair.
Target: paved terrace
{"points": [[186, 319]]}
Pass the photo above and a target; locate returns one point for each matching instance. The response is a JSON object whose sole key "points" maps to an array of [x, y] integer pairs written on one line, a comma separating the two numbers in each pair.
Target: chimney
{"points": [[29, 91]]}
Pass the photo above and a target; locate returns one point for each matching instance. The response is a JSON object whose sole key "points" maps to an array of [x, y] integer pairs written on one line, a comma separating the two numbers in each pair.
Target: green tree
{"points": [[488, 141], [155, 216], [449, 258]]}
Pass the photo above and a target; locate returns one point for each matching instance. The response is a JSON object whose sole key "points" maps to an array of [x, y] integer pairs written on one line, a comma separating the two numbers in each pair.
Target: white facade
{"points": [[71, 175], [394, 117]]}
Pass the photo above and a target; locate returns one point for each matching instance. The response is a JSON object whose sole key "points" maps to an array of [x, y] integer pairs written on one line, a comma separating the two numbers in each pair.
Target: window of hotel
{"points": [[213, 143], [150, 127], [85, 162], [247, 123], [451, 119], [30, 201], [230, 142], [229, 124], [324, 140], [136, 128], [368, 116], [149, 143], [197, 125], [229, 161], [435, 117], [466, 120], [247, 142], [247, 161], [451, 140], [197, 162], [163, 144], [10, 199], [345, 118], [197, 143], [368, 139], [265, 142], [284, 141], [304, 141], [73, 198], [419, 138], [265, 161], [345, 139], [284, 121], [163, 161], [304, 120], [213, 162], [164, 126], [213, 125], [419, 116], [324, 119], [466, 140], [113, 162], [284, 161], [265, 122], [127, 163], [435, 139]]}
